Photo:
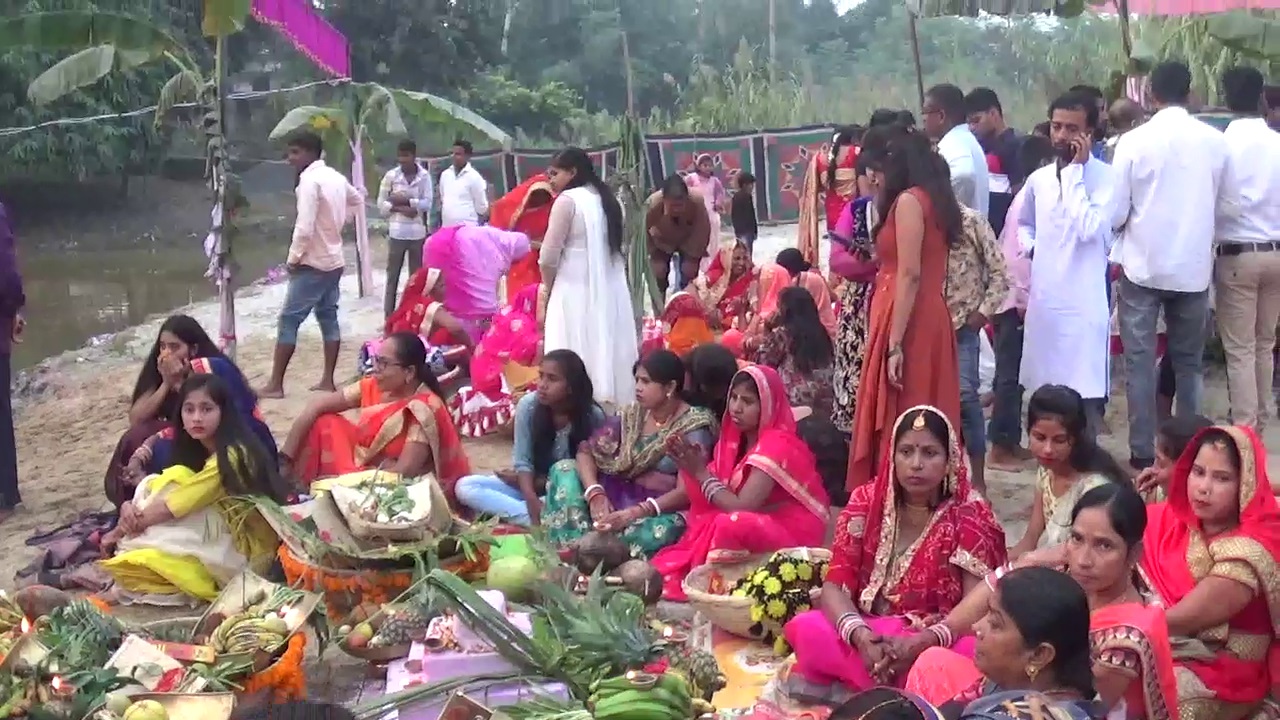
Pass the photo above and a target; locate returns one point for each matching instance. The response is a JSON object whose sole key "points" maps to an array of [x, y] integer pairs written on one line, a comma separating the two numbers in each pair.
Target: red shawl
{"points": [[525, 209], [963, 536], [417, 305], [1176, 556], [719, 289]]}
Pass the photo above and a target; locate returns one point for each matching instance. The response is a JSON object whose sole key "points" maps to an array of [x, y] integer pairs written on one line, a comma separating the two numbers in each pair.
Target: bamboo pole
{"points": [[914, 34], [226, 286], [773, 41]]}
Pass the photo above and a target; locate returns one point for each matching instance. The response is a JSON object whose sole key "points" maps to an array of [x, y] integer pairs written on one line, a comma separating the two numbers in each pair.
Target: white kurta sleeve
{"points": [[559, 225], [1027, 218], [1088, 209]]}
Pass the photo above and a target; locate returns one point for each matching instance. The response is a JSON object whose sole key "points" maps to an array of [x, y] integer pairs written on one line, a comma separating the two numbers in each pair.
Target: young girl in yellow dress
{"points": [[184, 535]]}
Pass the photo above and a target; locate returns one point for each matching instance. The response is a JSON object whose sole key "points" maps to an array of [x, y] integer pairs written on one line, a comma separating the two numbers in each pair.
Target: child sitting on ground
{"points": [[1172, 438]]}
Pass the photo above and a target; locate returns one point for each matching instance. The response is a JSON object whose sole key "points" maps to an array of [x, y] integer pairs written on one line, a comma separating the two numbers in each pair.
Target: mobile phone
{"points": [[1068, 153]]}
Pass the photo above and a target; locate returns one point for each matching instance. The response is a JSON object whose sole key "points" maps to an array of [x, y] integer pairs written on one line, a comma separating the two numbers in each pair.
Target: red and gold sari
{"points": [[794, 515], [418, 307], [899, 595], [337, 446], [1223, 673], [720, 291], [832, 198], [525, 209]]}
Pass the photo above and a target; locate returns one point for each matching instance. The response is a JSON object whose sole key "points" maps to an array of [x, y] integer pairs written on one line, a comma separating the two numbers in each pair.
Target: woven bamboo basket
{"points": [[729, 613]]}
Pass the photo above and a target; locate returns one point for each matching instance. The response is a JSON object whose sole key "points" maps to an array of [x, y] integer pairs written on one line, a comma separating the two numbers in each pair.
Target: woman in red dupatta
{"points": [[908, 547], [723, 288], [422, 312], [768, 282], [525, 209], [760, 493], [403, 425], [1209, 555]]}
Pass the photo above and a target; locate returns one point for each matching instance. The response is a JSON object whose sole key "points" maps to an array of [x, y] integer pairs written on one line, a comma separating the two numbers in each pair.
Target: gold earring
{"points": [[1032, 671]]}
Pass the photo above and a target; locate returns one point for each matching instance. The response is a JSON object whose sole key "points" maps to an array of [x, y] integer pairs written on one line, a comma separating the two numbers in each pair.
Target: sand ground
{"points": [[73, 409]]}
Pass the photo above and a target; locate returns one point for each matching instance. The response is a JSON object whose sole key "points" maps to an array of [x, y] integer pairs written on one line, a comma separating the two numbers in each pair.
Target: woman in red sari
{"points": [[908, 547], [525, 209], [723, 288], [830, 182], [761, 492], [1209, 555], [1133, 670], [403, 425]]}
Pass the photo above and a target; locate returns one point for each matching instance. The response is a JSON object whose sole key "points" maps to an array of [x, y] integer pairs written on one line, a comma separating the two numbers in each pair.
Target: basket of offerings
{"points": [[395, 511], [321, 553], [751, 597]]}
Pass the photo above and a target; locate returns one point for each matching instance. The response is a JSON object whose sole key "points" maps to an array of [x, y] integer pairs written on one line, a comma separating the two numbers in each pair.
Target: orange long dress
{"points": [[930, 371]]}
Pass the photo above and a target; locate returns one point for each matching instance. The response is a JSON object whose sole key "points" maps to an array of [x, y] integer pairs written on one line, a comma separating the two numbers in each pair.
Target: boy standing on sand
{"points": [[316, 262], [11, 325]]}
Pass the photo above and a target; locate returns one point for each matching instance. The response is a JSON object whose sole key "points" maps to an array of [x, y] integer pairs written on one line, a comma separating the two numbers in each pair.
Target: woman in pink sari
{"points": [[474, 258], [761, 492], [504, 366]]}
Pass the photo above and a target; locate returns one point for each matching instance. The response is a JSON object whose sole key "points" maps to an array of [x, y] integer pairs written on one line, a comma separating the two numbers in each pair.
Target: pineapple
{"points": [[401, 626], [701, 669]]}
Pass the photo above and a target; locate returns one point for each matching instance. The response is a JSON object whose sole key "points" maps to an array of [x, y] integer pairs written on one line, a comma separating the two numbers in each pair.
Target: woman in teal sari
{"points": [[624, 466]]}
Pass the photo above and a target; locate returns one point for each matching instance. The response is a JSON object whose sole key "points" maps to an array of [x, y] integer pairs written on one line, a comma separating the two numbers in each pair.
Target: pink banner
{"points": [[1179, 8], [301, 24]]}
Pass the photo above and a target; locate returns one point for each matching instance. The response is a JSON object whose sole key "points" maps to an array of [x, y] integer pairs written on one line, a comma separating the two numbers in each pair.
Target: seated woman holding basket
{"points": [[624, 470], [760, 493], [1133, 663], [183, 536], [908, 547], [403, 426]]}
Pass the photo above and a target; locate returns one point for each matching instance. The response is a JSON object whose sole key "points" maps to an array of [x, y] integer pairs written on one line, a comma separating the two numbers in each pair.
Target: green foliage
{"points": [[530, 111]]}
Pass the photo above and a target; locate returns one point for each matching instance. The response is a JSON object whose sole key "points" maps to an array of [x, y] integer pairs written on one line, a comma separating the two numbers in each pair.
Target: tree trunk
{"points": [[506, 24]]}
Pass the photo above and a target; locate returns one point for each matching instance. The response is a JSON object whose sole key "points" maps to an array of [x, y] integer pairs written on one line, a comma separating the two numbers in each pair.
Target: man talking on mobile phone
{"points": [[1066, 220]]}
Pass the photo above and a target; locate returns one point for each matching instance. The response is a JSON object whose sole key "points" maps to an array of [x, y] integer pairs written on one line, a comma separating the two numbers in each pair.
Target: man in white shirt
{"points": [[316, 262], [1065, 224], [1169, 179], [1246, 271], [946, 121], [404, 197], [464, 196]]}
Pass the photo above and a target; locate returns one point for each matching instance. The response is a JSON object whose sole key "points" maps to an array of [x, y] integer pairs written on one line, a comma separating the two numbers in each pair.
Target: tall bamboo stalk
{"points": [[773, 41], [226, 288]]}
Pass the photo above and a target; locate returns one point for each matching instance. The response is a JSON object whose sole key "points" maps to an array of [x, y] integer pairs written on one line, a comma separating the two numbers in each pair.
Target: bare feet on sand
{"points": [[323, 386], [1007, 459], [273, 392]]}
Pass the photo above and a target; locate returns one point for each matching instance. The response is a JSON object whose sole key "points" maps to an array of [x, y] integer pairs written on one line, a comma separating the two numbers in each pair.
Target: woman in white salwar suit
{"points": [[589, 308]]}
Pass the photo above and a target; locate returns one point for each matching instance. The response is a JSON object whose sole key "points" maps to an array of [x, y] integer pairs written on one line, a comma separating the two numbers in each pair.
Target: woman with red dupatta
{"points": [[1209, 556], [761, 492], [768, 282], [908, 547], [830, 182], [1133, 669], [723, 288], [525, 209], [402, 427]]}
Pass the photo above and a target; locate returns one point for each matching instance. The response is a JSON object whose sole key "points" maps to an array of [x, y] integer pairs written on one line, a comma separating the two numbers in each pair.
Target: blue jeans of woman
{"points": [[489, 495]]}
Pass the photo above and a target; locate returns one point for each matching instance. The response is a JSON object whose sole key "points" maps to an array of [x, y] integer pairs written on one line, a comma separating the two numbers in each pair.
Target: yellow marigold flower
{"points": [[804, 571], [760, 576], [787, 571], [757, 612], [740, 592], [775, 609], [803, 607], [321, 122], [780, 646], [773, 586]]}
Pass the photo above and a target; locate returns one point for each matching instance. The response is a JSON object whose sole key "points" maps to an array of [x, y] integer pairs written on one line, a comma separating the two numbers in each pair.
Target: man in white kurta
{"points": [[1065, 226]]}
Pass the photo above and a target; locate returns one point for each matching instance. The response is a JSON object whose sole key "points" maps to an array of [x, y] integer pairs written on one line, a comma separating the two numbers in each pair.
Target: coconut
{"points": [[641, 579], [513, 576], [146, 710], [118, 702], [600, 550]]}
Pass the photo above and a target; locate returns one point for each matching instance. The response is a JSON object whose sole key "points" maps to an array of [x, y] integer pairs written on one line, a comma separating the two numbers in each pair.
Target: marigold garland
{"points": [[345, 590], [284, 679], [779, 590]]}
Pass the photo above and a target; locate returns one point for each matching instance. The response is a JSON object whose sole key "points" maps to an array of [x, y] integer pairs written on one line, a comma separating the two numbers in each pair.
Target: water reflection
{"points": [[74, 295]]}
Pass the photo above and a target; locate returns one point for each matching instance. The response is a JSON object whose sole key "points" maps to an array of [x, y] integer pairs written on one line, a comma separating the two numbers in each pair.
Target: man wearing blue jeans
{"points": [[315, 262]]}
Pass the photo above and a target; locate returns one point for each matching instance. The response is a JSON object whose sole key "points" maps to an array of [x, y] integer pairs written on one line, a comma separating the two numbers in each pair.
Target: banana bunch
{"points": [[247, 632], [619, 698]]}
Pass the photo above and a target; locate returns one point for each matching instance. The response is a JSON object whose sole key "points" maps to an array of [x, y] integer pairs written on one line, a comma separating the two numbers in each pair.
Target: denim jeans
{"points": [[310, 290], [1186, 317], [1005, 429], [968, 346], [489, 495], [396, 252]]}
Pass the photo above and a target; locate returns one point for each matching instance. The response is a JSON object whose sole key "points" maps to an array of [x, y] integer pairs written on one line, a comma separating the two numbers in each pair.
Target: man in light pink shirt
{"points": [[1005, 428], [316, 262]]}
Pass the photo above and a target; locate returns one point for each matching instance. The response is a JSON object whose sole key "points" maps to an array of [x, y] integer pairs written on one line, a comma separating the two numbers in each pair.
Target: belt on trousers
{"points": [[1233, 249]]}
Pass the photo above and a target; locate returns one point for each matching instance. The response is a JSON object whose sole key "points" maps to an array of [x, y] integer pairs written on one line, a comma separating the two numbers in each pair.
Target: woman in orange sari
{"points": [[1133, 669], [723, 288], [685, 325], [403, 425], [761, 492], [1209, 556], [769, 281], [525, 209], [803, 275], [830, 182]]}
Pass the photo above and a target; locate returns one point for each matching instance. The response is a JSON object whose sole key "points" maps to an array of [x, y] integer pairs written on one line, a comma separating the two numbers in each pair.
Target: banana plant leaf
{"points": [[1253, 36], [101, 43], [434, 110], [224, 17]]}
